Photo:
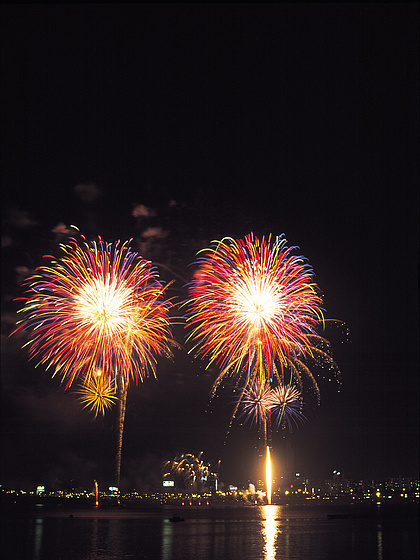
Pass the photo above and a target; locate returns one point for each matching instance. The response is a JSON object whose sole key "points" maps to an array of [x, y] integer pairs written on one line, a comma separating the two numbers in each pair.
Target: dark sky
{"points": [[286, 118]]}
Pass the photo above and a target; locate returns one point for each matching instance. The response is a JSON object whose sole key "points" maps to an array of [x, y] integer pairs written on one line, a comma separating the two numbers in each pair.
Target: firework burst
{"points": [[98, 394], [285, 405], [254, 310], [254, 403], [187, 470], [259, 404], [98, 307]]}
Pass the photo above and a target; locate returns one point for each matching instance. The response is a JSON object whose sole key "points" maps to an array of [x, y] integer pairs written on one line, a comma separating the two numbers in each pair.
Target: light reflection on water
{"points": [[167, 533], [268, 532], [380, 543], [39, 525], [270, 522]]}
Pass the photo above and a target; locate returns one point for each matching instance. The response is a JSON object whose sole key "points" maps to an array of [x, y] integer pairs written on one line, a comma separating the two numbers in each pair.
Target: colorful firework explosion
{"points": [[254, 310], [98, 307]]}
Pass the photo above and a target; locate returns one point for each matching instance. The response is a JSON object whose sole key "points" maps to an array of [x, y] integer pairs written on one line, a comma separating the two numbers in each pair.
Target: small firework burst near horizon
{"points": [[187, 470]]}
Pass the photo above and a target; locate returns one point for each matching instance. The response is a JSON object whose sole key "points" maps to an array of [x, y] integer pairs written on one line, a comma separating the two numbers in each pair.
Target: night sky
{"points": [[220, 120]]}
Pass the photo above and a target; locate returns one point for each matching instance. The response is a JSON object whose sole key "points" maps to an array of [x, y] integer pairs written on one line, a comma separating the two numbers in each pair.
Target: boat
{"points": [[176, 518]]}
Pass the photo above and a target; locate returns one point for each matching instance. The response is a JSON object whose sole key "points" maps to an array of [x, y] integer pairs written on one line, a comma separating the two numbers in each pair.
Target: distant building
{"points": [[212, 483], [337, 485]]}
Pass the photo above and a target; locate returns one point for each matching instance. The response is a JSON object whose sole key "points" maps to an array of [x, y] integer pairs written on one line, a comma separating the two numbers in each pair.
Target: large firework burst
{"points": [[254, 311], [98, 307]]}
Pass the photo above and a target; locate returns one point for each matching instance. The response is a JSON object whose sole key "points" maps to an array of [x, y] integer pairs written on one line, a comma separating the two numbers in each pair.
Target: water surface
{"points": [[210, 533]]}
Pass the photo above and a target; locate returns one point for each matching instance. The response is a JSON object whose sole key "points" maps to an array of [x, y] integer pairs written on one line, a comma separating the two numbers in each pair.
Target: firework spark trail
{"points": [[254, 310], [99, 306], [268, 474]]}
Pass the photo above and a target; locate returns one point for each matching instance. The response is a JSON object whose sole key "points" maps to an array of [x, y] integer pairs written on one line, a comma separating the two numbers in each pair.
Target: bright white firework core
{"points": [[101, 305], [255, 301]]}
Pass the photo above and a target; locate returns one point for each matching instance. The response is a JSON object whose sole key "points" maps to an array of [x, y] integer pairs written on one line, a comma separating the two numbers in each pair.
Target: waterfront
{"points": [[313, 531]]}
